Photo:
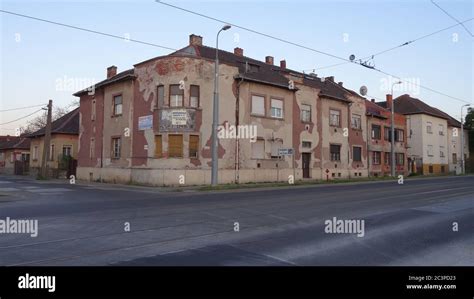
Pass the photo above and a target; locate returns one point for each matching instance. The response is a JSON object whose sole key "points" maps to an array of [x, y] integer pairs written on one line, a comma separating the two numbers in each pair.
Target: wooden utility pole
{"points": [[47, 141]]}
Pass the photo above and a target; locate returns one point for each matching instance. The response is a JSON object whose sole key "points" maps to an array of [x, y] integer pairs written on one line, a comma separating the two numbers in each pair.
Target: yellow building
{"points": [[14, 150], [63, 145]]}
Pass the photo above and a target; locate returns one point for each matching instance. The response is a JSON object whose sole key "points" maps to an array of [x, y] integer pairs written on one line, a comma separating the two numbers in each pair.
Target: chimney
{"points": [[283, 64], [269, 60], [389, 101], [195, 40], [372, 100], [239, 51], [340, 83], [330, 78], [111, 71]]}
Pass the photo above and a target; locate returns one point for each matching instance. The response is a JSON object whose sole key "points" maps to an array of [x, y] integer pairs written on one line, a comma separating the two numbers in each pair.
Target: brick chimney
{"points": [[340, 83], [331, 78], [239, 51], [195, 40], [389, 101], [283, 64], [111, 71], [269, 60], [372, 100]]}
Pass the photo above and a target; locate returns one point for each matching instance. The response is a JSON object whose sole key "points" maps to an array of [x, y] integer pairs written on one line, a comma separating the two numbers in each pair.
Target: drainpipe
{"points": [[237, 143], [367, 145]]}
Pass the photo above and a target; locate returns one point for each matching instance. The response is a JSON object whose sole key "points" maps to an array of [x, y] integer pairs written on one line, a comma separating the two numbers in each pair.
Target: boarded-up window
{"points": [[160, 101], [276, 145], [258, 105], [258, 149], [193, 146], [176, 96], [194, 99], [158, 146], [175, 146]]}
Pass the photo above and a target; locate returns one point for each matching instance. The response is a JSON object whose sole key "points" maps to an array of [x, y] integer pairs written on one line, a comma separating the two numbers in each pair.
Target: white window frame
{"points": [[305, 113], [275, 111], [258, 102]]}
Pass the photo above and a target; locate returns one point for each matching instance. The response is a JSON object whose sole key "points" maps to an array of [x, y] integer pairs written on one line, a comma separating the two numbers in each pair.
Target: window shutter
{"points": [[175, 145], [258, 105], [158, 147], [193, 146]]}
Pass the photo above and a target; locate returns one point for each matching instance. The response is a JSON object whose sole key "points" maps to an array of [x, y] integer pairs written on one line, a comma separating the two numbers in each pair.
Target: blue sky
{"points": [[37, 57]]}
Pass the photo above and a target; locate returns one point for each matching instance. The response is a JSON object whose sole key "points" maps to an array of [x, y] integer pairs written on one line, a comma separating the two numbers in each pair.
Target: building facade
{"points": [[12, 150]]}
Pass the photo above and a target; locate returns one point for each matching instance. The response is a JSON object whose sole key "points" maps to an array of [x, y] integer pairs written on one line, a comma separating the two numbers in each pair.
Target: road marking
{"points": [[443, 190]]}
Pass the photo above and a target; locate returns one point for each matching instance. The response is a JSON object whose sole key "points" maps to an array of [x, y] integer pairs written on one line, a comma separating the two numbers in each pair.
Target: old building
{"points": [[63, 145], [152, 124], [379, 145], [13, 150]]}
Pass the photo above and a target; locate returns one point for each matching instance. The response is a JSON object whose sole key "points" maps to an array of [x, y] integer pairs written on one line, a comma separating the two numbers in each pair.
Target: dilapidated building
{"points": [[152, 124]]}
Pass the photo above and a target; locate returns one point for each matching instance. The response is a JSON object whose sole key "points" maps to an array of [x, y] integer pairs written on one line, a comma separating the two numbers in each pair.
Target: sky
{"points": [[41, 61]]}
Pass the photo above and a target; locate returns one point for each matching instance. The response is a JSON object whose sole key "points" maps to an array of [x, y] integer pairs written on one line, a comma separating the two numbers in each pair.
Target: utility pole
{"points": [[47, 141], [463, 167], [392, 132]]}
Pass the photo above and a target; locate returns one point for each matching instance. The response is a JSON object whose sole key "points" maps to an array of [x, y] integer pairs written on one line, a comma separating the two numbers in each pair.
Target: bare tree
{"points": [[39, 121]]}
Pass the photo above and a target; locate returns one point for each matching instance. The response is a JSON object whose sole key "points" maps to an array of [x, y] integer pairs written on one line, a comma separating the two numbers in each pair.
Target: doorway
{"points": [[306, 160]]}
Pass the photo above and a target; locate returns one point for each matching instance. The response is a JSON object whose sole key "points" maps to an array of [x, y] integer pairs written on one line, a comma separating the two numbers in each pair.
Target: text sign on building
{"points": [[285, 151], [179, 117], [145, 122]]}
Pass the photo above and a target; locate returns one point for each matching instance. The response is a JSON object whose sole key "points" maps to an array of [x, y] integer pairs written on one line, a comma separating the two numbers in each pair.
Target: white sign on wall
{"points": [[179, 117], [145, 122]]}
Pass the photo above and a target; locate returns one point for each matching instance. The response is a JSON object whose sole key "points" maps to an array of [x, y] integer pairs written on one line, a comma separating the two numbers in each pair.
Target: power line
{"points": [[401, 45], [87, 30], [308, 48], [452, 17], [13, 109], [20, 118]]}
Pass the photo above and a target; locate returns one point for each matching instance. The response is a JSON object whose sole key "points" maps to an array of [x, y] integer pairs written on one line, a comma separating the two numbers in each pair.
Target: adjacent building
{"points": [[64, 145], [14, 151]]}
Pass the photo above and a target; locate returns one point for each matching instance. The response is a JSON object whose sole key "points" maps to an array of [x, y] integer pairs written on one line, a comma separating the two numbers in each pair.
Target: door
{"points": [[306, 161]]}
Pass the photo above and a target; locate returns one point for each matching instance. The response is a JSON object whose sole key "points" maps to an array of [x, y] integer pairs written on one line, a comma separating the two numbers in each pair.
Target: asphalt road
{"points": [[409, 224]]}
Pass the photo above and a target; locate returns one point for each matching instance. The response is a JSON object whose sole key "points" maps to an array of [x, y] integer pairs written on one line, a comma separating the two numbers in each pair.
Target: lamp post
{"points": [[392, 133], [462, 140], [215, 114]]}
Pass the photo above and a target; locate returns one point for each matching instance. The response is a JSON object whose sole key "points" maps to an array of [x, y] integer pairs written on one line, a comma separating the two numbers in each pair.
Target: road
{"points": [[410, 224]]}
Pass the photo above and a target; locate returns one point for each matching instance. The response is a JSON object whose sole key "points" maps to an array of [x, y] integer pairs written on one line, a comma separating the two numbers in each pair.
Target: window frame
{"points": [[196, 156], [198, 95], [309, 112], [337, 157], [360, 121], [170, 95], [360, 153], [252, 113], [182, 146], [374, 155], [339, 117], [282, 107], [158, 96], [114, 105], [114, 155], [372, 132]]}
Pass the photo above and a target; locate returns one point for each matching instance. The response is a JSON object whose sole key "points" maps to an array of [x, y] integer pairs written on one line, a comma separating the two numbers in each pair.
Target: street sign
{"points": [[145, 122], [285, 151]]}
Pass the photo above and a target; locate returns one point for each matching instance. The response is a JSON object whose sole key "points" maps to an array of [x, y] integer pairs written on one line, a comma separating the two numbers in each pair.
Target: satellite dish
{"points": [[323, 79], [352, 57], [363, 90]]}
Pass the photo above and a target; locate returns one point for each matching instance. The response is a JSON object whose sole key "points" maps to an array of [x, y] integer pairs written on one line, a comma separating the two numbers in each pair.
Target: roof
{"points": [[372, 109], [13, 142], [66, 124], [406, 104], [125, 75]]}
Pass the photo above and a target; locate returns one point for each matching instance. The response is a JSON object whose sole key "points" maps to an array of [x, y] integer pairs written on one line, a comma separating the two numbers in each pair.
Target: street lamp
{"points": [[215, 114], [392, 130], [462, 141]]}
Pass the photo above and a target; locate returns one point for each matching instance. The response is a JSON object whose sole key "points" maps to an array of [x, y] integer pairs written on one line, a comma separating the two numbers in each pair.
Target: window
{"points": [[334, 118], [93, 110], [387, 158], [193, 146], [356, 122], [67, 150], [51, 152], [400, 159], [25, 157], [276, 145], [175, 146], [335, 151], [118, 105], [429, 128], [441, 151], [455, 158], [258, 105], [35, 152], [387, 133], [258, 149], [305, 113], [277, 108], [357, 153], [158, 146], [376, 132], [376, 156], [399, 135], [92, 148], [306, 144], [441, 129], [430, 150], [194, 99], [160, 100], [116, 147], [176, 96]]}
